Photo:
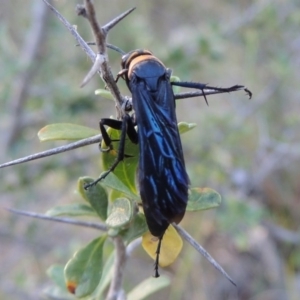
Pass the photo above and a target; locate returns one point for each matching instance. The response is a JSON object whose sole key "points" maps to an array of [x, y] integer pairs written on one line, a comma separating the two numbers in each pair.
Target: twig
{"points": [[201, 250], [98, 226], [88, 141], [85, 47], [115, 288], [101, 62], [110, 46], [116, 20], [114, 90]]}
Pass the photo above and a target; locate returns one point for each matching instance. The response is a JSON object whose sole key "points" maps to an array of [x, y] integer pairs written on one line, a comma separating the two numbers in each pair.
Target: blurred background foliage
{"points": [[248, 150]]}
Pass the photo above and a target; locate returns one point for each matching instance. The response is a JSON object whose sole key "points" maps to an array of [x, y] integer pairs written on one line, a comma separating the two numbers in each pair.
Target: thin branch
{"points": [[104, 68], [94, 225], [99, 33], [115, 288], [85, 47], [101, 63], [95, 69], [115, 21], [88, 141], [201, 250], [110, 46]]}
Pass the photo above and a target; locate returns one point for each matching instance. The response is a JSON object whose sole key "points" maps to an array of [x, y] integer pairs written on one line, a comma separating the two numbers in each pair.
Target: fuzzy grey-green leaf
{"points": [[105, 94], [95, 195], [121, 213], [202, 199], [185, 127], [65, 131], [84, 270]]}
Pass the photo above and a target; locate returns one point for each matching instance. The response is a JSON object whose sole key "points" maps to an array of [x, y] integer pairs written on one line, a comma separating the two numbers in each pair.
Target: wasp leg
{"points": [[126, 126], [156, 264]]}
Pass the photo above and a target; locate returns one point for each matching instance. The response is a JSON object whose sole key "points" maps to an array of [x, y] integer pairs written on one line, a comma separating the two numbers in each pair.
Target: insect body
{"points": [[162, 176], [163, 179]]}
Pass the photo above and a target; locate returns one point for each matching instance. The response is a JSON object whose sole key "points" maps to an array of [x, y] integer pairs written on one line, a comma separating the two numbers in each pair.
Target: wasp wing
{"points": [[162, 176]]}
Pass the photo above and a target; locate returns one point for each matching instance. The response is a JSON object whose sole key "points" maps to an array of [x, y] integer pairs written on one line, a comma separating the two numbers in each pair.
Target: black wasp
{"points": [[162, 176]]}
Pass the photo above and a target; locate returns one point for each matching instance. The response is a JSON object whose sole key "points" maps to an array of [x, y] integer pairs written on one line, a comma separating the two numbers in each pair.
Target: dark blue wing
{"points": [[162, 176]]}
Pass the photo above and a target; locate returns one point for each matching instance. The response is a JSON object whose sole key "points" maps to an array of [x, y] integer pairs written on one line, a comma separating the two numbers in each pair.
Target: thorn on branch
{"points": [[95, 68], [116, 20], [101, 64], [81, 11]]}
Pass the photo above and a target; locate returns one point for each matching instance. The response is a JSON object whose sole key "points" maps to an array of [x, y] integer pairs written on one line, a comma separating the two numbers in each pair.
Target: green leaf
{"points": [[122, 211], [114, 194], [126, 169], [125, 172], [113, 182], [176, 89], [148, 287], [55, 293], [56, 273], [95, 195], [185, 127], [65, 131], [74, 209], [105, 94], [137, 228], [174, 79], [203, 198], [59, 291], [106, 276], [83, 271]]}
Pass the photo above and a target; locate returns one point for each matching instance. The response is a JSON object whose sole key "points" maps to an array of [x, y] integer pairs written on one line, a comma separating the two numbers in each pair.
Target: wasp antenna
{"points": [[116, 20]]}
